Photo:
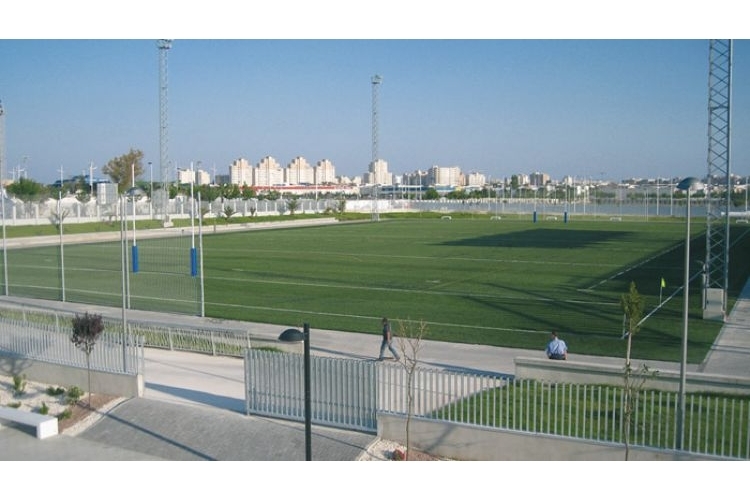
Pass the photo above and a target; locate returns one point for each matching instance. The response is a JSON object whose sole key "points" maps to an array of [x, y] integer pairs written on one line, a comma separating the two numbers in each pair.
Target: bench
{"points": [[446, 217], [45, 425]]}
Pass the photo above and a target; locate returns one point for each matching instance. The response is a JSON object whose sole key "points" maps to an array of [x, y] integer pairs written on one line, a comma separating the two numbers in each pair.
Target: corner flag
{"points": [[663, 284]]}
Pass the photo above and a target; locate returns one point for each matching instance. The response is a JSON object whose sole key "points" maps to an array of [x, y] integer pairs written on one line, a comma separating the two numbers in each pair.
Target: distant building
{"points": [[299, 172], [539, 179], [240, 173], [185, 176], [325, 172], [268, 173], [378, 173], [476, 179], [445, 176], [202, 178]]}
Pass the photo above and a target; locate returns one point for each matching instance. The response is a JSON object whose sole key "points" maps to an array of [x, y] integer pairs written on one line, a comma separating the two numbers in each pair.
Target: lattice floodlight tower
{"points": [[376, 81], [718, 181], [162, 195]]}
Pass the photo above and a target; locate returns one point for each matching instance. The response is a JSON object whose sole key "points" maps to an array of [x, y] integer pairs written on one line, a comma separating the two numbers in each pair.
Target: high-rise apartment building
{"points": [[325, 172], [240, 173], [268, 173], [378, 173]]}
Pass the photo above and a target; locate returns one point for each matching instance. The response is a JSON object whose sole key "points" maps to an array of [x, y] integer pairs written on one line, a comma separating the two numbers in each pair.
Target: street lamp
{"points": [[294, 335], [687, 184]]}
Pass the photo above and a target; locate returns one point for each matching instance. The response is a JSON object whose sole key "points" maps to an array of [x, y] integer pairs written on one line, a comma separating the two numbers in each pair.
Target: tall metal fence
{"points": [[51, 342], [350, 394]]}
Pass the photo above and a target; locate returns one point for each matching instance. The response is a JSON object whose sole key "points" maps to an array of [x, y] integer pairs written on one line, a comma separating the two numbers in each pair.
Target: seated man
{"points": [[557, 348]]}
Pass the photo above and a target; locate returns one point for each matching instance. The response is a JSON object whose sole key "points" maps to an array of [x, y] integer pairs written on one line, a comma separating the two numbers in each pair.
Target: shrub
{"points": [[65, 414], [398, 455], [14, 404], [55, 391], [19, 384], [74, 394], [44, 409]]}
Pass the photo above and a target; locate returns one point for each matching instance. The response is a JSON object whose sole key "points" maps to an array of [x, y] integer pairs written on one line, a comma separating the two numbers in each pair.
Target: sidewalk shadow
{"points": [[205, 398]]}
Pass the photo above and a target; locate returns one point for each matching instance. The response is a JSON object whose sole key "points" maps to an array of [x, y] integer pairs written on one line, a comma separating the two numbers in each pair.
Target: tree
{"points": [[293, 205], [248, 192], [86, 331], [632, 308], [121, 169], [410, 336], [227, 213], [27, 190]]}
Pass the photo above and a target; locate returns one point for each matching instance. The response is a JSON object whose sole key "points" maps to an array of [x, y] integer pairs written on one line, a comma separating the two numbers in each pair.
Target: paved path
{"points": [[193, 404]]}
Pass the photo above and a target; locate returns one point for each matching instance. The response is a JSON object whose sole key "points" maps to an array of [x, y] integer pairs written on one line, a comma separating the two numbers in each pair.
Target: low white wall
{"points": [[67, 376], [466, 442], [591, 373]]}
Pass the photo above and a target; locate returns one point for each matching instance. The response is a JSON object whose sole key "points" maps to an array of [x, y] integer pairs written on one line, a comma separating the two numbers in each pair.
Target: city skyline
{"points": [[600, 109]]}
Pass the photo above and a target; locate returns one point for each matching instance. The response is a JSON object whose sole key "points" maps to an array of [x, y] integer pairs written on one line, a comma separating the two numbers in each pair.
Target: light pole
{"points": [[2, 196], [688, 184], [91, 178], [133, 195], [294, 335]]}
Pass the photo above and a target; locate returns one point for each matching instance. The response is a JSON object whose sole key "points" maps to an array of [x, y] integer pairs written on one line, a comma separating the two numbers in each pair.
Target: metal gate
{"points": [[343, 392]]}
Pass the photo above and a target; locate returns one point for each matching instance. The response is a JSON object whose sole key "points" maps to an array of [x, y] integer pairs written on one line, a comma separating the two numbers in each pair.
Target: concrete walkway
{"points": [[193, 404]]}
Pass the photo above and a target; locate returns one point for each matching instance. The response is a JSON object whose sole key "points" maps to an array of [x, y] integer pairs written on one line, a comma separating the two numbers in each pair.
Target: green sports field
{"points": [[474, 280]]}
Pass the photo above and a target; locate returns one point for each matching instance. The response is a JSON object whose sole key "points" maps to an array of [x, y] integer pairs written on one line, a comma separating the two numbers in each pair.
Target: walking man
{"points": [[387, 338]]}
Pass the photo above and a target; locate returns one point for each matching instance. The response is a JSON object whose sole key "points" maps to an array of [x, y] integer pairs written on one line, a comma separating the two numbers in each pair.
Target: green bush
{"points": [[14, 404], [19, 384], [65, 414], [74, 394], [44, 409], [55, 391]]}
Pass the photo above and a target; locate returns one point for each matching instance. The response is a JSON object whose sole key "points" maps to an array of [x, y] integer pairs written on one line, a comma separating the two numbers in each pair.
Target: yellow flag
{"points": [[663, 284]]}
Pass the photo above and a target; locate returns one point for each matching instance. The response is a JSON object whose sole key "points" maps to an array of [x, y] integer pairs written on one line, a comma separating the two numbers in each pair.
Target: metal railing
{"points": [[48, 342], [715, 425], [217, 342]]}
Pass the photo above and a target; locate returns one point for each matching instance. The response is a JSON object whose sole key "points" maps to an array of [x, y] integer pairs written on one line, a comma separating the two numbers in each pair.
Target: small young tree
{"points": [[293, 205], [86, 331], [410, 336], [227, 213], [632, 308]]}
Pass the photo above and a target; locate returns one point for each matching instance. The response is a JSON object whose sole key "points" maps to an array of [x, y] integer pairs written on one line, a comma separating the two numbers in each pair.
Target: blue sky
{"points": [[584, 107]]}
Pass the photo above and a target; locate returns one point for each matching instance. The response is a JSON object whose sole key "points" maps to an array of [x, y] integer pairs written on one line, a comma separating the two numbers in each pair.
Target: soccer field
{"points": [[494, 282]]}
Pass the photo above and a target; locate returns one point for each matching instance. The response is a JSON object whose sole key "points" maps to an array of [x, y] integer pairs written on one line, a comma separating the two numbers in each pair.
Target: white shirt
{"points": [[556, 346]]}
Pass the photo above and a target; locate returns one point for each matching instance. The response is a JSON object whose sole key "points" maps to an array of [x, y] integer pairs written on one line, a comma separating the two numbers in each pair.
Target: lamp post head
{"points": [[292, 335], [690, 184], [134, 193]]}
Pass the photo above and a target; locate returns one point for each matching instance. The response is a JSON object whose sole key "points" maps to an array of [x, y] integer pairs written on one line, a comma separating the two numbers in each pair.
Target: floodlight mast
{"points": [[718, 181], [376, 81], [2, 195], [164, 46]]}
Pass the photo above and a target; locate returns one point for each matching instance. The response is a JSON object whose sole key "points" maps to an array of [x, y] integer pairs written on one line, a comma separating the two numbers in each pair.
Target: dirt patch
{"points": [[81, 413]]}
